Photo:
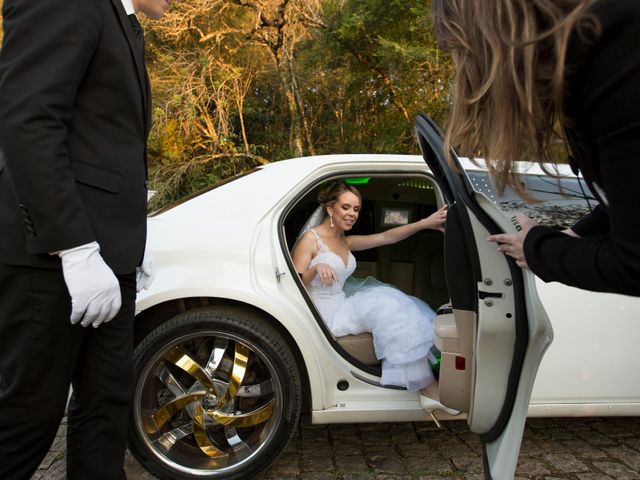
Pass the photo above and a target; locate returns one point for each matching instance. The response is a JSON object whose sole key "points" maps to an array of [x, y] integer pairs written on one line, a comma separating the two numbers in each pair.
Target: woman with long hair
{"points": [[532, 75]]}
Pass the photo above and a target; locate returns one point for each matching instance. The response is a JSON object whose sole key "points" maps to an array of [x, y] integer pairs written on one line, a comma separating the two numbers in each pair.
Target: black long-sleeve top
{"points": [[602, 107]]}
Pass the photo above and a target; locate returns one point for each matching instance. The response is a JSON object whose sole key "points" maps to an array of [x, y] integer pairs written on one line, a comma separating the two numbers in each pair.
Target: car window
{"points": [[561, 201]]}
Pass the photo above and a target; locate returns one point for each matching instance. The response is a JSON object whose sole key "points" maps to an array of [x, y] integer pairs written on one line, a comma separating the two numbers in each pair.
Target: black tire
{"points": [[213, 431]]}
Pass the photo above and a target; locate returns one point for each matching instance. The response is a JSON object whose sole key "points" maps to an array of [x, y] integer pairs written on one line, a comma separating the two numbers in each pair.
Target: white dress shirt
{"points": [[128, 6]]}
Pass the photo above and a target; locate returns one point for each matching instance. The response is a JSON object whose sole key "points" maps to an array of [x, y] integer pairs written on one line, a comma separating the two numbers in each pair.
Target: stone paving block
{"points": [[552, 446], [280, 476], [617, 471], [633, 443], [370, 476], [314, 450], [612, 428], [416, 449], [565, 462], [530, 448], [347, 449], [593, 476], [583, 449], [52, 457], [385, 476], [286, 465], [467, 465], [319, 476], [594, 438], [59, 444], [427, 464], [317, 463], [456, 426], [404, 439], [532, 467], [560, 433], [387, 464], [472, 441], [455, 448], [352, 465], [626, 455], [574, 423]]}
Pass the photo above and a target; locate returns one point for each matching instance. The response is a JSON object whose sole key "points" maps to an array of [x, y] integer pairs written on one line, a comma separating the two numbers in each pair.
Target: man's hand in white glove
{"points": [[94, 289], [146, 272]]}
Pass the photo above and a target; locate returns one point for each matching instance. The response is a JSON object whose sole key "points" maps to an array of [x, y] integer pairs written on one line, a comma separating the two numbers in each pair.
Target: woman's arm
{"points": [[302, 255], [434, 221]]}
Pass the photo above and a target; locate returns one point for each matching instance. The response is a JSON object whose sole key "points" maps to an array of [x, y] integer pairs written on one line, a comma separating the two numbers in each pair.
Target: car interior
{"points": [[414, 265]]}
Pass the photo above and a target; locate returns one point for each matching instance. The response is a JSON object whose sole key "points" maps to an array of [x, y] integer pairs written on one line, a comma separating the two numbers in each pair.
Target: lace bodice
{"points": [[343, 271]]}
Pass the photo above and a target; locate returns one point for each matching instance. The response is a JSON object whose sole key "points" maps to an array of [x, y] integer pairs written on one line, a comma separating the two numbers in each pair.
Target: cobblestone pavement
{"points": [[553, 448]]}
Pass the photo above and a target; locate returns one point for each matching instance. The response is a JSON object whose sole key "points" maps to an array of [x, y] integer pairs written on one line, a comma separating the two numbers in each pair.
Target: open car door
{"points": [[494, 336]]}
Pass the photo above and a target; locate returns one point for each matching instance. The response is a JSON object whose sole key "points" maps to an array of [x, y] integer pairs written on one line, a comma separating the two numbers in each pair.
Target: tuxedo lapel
{"points": [[138, 58]]}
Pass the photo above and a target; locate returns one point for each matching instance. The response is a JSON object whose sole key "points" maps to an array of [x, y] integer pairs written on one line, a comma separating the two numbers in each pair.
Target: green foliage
{"points": [[239, 83]]}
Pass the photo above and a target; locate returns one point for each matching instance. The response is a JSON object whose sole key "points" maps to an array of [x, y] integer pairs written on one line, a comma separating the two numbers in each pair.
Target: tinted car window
{"points": [[561, 201]]}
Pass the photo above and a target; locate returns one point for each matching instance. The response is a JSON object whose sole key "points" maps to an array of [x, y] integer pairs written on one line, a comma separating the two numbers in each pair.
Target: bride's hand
{"points": [[326, 274], [436, 220]]}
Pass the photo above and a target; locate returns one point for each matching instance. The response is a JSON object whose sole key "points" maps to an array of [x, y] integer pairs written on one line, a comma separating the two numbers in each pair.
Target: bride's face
{"points": [[346, 210]]}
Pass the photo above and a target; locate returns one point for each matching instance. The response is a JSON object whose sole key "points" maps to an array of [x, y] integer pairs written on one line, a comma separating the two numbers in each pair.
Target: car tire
{"points": [[217, 394]]}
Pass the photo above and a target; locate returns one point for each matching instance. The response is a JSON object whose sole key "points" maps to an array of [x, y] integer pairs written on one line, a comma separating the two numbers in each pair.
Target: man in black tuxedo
{"points": [[74, 119]]}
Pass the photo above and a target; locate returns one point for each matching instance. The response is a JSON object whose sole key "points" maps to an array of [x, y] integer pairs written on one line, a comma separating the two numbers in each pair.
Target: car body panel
{"points": [[224, 244]]}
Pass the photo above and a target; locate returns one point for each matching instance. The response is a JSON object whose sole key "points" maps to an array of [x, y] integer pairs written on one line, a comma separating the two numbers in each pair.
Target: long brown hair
{"points": [[509, 58]]}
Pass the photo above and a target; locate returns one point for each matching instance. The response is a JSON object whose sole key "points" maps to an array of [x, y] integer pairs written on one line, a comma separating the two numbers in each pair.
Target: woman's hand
{"points": [[436, 220], [326, 274], [512, 243]]}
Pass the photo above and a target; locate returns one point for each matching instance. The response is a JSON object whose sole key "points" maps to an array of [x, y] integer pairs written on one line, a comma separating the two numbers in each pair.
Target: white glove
{"points": [[146, 272], [94, 289]]}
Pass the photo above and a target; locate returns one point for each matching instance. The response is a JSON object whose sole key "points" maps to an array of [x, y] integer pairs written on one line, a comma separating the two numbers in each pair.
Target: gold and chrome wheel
{"points": [[217, 395]]}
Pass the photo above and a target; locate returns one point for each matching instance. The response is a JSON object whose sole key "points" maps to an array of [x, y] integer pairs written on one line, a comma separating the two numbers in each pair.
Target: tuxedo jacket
{"points": [[74, 120]]}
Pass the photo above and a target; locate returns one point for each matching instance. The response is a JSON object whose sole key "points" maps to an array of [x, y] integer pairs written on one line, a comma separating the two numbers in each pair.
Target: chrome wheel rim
{"points": [[207, 404]]}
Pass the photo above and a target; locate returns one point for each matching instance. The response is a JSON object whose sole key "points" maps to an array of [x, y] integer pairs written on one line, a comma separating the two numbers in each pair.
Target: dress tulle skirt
{"points": [[401, 325]]}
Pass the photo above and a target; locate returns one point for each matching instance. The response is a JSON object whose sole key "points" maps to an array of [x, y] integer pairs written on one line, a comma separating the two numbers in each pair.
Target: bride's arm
{"points": [[302, 255], [435, 221]]}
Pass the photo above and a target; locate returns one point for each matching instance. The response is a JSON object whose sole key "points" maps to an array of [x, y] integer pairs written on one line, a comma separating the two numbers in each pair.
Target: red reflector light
{"points": [[461, 364]]}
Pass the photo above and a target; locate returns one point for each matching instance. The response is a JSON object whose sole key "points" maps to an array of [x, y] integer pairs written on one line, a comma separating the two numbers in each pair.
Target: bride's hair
{"points": [[329, 195], [509, 57]]}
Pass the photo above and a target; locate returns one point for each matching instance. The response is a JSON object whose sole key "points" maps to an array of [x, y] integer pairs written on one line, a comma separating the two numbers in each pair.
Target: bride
{"points": [[401, 325]]}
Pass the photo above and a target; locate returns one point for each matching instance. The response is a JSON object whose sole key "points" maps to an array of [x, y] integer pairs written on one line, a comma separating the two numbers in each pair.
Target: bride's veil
{"points": [[315, 219]]}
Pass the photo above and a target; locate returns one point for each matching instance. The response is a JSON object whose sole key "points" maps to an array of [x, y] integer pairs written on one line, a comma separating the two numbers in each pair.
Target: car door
{"points": [[495, 333]]}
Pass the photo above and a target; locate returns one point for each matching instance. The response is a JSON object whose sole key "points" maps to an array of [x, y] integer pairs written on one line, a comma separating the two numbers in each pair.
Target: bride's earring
{"points": [[331, 221]]}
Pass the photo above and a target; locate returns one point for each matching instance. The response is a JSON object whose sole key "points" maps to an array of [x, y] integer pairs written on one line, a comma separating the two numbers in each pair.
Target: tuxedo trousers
{"points": [[41, 356]]}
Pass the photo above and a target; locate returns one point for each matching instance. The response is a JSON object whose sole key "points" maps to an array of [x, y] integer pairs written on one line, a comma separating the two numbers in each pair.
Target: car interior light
{"points": [[357, 181], [461, 363]]}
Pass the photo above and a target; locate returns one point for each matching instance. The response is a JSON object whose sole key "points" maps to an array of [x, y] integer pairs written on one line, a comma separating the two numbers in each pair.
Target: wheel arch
{"points": [[154, 316]]}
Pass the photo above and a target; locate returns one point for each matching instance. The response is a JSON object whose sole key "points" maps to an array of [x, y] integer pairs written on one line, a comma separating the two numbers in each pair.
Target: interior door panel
{"points": [[494, 338]]}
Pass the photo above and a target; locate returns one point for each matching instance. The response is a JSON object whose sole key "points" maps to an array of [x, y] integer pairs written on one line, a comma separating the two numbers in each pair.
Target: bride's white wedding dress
{"points": [[401, 325]]}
